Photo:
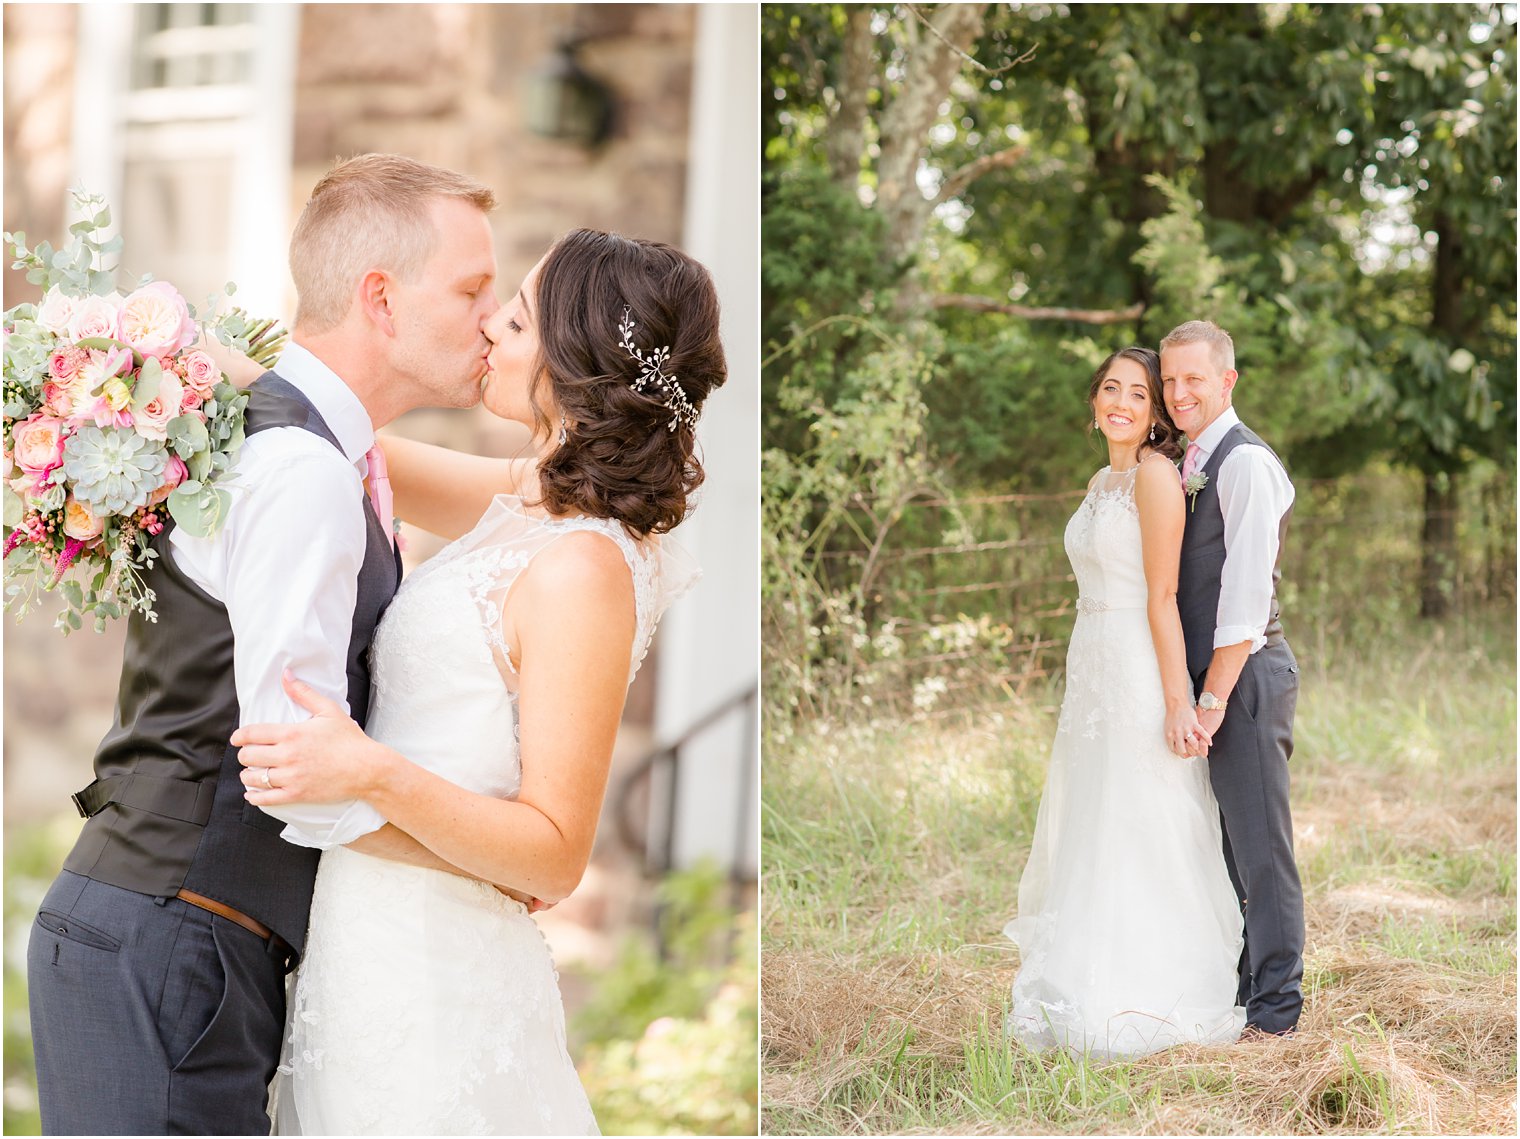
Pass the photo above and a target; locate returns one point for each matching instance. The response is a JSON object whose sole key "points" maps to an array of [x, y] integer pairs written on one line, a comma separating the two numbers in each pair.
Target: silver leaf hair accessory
{"points": [[652, 370]]}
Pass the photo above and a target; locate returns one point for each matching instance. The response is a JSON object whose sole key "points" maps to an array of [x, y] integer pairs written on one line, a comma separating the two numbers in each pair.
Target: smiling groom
{"points": [[1245, 675]]}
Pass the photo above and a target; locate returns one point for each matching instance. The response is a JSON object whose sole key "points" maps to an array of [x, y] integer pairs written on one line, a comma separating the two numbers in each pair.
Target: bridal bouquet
{"points": [[113, 422]]}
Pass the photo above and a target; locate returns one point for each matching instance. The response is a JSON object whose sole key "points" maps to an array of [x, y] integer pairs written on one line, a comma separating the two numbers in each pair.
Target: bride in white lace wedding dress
{"points": [[1128, 929], [427, 1002]]}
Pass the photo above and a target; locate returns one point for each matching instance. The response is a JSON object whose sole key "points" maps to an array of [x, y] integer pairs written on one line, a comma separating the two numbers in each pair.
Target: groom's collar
{"points": [[1215, 432], [334, 400]]}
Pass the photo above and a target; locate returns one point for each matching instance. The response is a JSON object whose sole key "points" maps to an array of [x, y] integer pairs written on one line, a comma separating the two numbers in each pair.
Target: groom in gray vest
{"points": [[156, 966], [1244, 674]]}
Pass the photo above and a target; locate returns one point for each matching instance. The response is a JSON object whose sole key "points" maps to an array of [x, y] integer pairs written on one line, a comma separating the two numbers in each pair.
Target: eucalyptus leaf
{"points": [[15, 509], [187, 435], [188, 511], [149, 377]]}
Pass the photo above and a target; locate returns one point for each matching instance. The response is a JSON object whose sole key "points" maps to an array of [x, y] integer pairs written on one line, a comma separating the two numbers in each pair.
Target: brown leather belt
{"points": [[210, 905]]}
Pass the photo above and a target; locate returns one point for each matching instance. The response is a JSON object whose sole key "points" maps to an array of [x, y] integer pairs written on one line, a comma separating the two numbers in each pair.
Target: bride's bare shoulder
{"points": [[1157, 475]]}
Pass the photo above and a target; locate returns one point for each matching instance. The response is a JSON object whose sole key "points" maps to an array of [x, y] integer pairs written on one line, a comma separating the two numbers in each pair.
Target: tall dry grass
{"points": [[892, 856]]}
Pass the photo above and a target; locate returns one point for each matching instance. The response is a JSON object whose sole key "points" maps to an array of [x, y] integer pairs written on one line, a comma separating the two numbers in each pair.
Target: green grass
{"points": [[893, 852]]}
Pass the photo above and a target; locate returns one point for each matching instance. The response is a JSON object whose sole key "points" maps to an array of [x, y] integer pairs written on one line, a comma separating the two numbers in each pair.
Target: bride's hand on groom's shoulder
{"points": [[326, 759]]}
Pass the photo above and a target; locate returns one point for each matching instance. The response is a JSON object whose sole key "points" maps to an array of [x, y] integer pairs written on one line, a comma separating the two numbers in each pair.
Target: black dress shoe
{"points": [[1254, 1032]]}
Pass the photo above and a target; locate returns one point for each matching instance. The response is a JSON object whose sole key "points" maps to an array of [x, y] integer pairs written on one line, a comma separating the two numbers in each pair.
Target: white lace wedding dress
{"points": [[1128, 928], [427, 1003]]}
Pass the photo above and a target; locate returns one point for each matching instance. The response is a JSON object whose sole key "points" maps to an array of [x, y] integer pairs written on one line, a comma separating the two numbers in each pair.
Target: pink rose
{"points": [[190, 400], [64, 363], [79, 522], [175, 472], [201, 373], [37, 444], [58, 399], [95, 316], [55, 311], [152, 418], [156, 321]]}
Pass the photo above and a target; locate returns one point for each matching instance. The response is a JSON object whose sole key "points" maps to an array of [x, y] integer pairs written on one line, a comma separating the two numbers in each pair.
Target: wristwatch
{"points": [[1208, 702]]}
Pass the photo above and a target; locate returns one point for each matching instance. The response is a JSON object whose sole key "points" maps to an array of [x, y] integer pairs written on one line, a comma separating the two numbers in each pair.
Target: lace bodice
{"points": [[1103, 544], [439, 696]]}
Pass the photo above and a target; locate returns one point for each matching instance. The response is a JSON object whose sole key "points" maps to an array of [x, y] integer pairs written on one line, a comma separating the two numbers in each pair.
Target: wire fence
{"points": [[970, 597]]}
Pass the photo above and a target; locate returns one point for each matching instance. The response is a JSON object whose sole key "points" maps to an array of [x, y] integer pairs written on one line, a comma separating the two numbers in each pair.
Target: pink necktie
{"points": [[380, 492], [1189, 463]]}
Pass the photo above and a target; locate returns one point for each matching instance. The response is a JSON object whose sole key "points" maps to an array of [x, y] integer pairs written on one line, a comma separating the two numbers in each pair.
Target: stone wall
{"points": [[39, 104]]}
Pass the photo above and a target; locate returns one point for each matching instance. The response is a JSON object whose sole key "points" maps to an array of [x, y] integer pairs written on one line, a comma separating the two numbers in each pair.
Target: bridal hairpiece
{"points": [[652, 370]]}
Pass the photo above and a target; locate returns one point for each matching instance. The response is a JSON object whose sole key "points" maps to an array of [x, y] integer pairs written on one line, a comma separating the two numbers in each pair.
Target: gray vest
{"points": [[166, 809], [1203, 559]]}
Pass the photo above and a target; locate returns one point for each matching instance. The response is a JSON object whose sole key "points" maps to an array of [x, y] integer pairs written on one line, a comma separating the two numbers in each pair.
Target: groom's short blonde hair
{"points": [[368, 212], [1221, 347]]}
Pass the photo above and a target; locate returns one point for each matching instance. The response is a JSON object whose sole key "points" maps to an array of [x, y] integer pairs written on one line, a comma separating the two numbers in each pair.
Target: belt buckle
{"points": [[77, 798]]}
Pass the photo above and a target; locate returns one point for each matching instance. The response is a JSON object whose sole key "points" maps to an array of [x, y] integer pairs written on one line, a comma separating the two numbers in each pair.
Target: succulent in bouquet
{"points": [[115, 422]]}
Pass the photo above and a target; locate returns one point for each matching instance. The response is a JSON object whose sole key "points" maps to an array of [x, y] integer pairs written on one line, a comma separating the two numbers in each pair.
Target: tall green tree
{"points": [[1334, 183]]}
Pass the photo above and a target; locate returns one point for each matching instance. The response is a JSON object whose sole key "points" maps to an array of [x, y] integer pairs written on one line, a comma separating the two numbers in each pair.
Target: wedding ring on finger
{"points": [[264, 775]]}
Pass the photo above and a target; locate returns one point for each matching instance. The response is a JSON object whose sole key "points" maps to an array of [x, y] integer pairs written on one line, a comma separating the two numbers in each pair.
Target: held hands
{"points": [[1210, 721], [325, 759], [1187, 734]]}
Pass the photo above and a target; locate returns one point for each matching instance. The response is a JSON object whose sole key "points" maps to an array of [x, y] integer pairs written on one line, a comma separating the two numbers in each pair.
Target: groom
{"points": [[156, 967], [1240, 499]]}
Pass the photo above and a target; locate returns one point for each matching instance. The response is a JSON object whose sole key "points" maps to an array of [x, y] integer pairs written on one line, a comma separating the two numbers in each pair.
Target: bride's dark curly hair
{"points": [[1168, 438], [620, 458]]}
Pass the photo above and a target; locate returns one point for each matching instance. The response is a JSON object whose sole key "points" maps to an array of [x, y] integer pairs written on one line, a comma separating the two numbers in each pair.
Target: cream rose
{"points": [[55, 311], [156, 321], [95, 316], [79, 522], [37, 444], [151, 420]]}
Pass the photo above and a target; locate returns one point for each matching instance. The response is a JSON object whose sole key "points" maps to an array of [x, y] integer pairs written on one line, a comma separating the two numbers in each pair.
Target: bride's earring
{"points": [[1153, 432], [564, 436]]}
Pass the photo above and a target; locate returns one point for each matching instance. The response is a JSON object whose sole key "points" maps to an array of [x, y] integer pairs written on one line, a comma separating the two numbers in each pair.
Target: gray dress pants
{"points": [[1248, 767], [150, 1016]]}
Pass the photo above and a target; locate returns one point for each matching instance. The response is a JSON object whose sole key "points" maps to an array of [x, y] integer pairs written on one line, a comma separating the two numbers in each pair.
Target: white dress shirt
{"points": [[285, 564], [1254, 493]]}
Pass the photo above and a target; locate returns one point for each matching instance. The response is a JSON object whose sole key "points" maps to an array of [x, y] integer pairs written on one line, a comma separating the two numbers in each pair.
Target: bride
{"points": [[427, 1002], [1128, 929]]}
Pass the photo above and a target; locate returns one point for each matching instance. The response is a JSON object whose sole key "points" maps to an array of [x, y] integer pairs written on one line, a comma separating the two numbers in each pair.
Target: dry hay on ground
{"points": [[813, 1005], [1431, 1045], [1358, 912]]}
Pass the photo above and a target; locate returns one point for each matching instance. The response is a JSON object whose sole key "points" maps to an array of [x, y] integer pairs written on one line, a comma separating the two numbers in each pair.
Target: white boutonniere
{"points": [[1192, 485]]}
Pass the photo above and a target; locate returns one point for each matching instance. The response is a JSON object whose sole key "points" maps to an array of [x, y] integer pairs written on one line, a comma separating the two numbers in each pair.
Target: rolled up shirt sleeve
{"points": [[1254, 494], [291, 580]]}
